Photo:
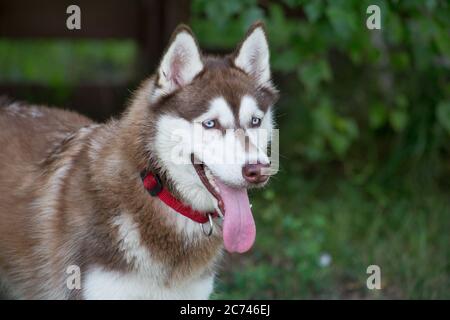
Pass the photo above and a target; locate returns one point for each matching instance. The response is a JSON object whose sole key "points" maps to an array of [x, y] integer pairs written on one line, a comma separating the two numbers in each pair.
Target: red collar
{"points": [[155, 188]]}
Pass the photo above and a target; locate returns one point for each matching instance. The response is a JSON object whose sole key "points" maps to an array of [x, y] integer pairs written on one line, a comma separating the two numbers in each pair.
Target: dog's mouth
{"points": [[208, 180], [239, 228]]}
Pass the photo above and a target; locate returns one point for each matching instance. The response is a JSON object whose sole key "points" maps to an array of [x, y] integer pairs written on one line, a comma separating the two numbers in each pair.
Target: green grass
{"points": [[298, 221]]}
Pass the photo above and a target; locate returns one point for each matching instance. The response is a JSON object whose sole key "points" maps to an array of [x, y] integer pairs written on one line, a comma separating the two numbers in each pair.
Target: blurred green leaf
{"points": [[314, 9], [443, 114], [398, 119], [377, 115], [342, 18], [313, 73]]}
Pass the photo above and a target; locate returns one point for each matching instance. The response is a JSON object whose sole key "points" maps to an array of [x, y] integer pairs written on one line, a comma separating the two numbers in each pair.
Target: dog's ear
{"points": [[181, 61], [252, 54]]}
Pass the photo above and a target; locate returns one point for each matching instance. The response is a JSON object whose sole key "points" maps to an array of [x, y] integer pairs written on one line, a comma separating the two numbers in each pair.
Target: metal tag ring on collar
{"points": [[211, 226]]}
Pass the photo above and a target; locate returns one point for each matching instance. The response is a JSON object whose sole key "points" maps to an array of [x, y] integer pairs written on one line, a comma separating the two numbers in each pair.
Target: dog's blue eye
{"points": [[209, 124], [256, 121]]}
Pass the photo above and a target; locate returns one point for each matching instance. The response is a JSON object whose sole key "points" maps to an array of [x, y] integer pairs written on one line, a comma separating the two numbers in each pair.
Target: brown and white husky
{"points": [[72, 193]]}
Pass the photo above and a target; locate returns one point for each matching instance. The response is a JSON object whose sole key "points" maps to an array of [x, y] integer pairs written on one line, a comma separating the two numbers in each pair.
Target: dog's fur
{"points": [[70, 191]]}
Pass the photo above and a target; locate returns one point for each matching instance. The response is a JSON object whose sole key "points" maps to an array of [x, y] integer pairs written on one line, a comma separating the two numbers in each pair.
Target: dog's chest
{"points": [[104, 284], [148, 277]]}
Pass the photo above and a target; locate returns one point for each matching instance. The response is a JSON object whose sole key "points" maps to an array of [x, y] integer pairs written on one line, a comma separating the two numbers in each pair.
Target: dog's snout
{"points": [[253, 173]]}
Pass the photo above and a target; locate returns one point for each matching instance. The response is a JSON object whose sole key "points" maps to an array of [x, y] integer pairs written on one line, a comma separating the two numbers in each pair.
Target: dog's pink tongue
{"points": [[239, 229]]}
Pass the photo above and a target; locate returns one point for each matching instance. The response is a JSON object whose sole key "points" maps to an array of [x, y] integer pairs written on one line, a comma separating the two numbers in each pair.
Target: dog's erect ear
{"points": [[252, 55], [181, 61]]}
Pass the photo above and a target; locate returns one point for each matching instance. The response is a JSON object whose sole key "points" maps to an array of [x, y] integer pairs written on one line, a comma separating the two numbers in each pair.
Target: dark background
{"points": [[364, 121]]}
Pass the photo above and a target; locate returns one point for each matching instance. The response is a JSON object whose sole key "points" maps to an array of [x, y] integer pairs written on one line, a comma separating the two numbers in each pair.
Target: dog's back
{"points": [[27, 136]]}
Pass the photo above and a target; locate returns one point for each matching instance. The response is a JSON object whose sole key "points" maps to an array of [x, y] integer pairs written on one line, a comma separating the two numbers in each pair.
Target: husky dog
{"points": [[109, 203]]}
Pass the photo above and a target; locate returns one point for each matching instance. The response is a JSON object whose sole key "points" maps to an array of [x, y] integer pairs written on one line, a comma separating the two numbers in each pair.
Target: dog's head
{"points": [[213, 122]]}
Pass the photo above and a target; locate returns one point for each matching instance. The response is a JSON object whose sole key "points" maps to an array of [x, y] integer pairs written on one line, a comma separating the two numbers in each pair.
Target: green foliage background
{"points": [[364, 120]]}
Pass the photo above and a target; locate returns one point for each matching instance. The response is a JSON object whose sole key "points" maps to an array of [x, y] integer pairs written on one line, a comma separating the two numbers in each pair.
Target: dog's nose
{"points": [[253, 172]]}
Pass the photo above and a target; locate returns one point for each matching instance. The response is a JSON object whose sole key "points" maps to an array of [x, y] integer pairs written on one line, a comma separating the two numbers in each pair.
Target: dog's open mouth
{"points": [[239, 229]]}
